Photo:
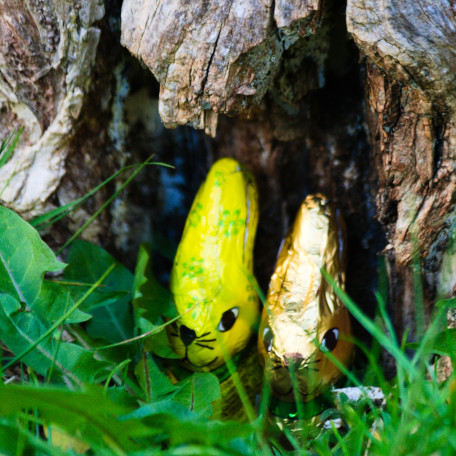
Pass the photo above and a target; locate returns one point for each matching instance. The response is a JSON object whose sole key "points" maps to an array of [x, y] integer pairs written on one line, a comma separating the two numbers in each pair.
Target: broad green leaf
{"points": [[113, 320], [198, 392], [445, 342], [157, 343], [54, 300], [120, 395], [113, 356], [20, 329], [165, 406], [81, 363], [55, 325], [152, 380], [24, 258], [149, 296], [206, 432]]}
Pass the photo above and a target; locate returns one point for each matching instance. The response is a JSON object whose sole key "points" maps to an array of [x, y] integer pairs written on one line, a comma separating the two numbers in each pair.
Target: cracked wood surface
{"points": [[213, 56], [411, 93], [287, 12], [47, 50], [414, 41]]}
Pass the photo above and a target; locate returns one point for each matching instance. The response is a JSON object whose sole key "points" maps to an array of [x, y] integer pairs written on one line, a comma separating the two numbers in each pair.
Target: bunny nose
{"points": [[292, 358], [187, 335]]}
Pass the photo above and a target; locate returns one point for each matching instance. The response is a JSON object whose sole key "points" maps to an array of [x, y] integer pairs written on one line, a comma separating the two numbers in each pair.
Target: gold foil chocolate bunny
{"points": [[303, 318]]}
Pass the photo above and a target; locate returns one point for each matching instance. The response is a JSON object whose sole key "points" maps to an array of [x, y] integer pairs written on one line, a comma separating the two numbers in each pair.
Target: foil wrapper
{"points": [[303, 318], [210, 276]]}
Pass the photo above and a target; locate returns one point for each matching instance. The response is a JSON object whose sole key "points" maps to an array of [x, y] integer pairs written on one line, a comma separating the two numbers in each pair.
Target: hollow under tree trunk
{"points": [[276, 59], [366, 117]]}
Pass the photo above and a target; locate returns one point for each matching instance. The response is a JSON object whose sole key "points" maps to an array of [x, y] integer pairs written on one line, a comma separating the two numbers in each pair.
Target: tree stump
{"points": [[366, 117], [410, 51], [47, 57]]}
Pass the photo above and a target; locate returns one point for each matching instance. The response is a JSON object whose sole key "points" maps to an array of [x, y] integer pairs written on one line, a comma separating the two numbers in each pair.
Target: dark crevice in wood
{"points": [[439, 134]]}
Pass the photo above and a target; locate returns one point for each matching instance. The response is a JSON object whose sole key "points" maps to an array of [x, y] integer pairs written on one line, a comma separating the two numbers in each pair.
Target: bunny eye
{"points": [[228, 319], [267, 338], [329, 340]]}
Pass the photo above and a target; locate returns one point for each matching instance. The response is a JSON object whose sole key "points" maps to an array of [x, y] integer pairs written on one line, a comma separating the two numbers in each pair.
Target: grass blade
{"points": [[55, 215], [370, 326], [110, 199], [249, 410], [7, 147]]}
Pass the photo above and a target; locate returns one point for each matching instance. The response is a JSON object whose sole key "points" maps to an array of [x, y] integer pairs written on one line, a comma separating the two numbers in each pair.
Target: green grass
{"points": [[114, 396], [84, 354]]}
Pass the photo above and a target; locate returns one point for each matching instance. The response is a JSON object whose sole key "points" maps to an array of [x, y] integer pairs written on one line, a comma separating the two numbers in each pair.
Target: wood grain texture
{"points": [[47, 50], [212, 56], [410, 50], [287, 12], [414, 41]]}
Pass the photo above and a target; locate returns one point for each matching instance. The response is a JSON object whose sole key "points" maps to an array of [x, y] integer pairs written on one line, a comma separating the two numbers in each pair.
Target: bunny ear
{"points": [[295, 287], [219, 232]]}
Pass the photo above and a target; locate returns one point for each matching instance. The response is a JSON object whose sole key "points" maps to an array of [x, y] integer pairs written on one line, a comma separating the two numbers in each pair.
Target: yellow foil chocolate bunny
{"points": [[303, 318], [209, 279]]}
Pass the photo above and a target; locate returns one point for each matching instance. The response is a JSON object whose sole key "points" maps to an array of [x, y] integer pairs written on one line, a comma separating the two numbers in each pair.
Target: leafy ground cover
{"points": [[81, 371]]}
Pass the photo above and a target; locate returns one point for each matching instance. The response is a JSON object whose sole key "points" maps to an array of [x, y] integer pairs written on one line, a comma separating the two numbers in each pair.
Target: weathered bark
{"points": [[213, 57], [62, 79], [47, 53], [410, 50]]}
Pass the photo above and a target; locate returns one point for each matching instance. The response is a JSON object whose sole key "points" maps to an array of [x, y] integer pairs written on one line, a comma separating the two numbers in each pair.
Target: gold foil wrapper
{"points": [[209, 279], [303, 317]]}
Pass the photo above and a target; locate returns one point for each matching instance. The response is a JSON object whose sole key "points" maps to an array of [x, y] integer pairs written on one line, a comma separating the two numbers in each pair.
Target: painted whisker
{"points": [[204, 346]]}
